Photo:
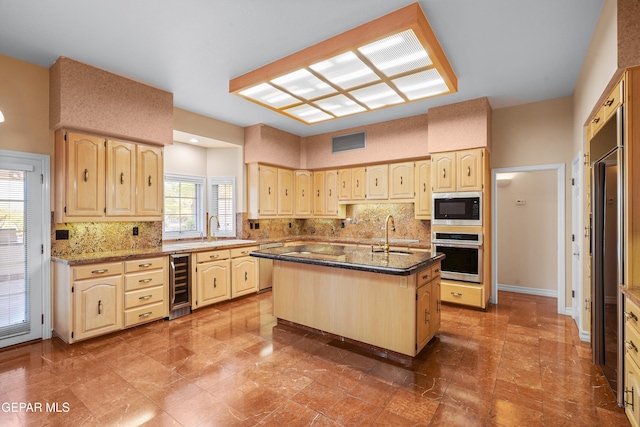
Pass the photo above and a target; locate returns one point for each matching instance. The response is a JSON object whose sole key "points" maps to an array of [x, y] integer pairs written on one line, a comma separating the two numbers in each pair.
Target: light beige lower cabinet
{"points": [[465, 294], [428, 304], [145, 290], [244, 271], [212, 278], [632, 362], [95, 299]]}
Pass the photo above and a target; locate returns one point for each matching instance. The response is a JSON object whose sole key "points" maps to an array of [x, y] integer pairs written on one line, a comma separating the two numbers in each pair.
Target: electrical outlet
{"points": [[62, 234], [289, 225], [135, 231], [257, 226], [342, 224], [251, 225]]}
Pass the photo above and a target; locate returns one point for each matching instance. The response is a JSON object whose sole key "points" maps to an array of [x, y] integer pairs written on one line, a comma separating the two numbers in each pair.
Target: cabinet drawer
{"points": [[238, 252], [97, 270], [143, 264], [143, 314], [143, 280], [143, 296], [632, 314], [613, 101], [462, 294], [424, 276], [435, 270], [632, 343], [212, 256]]}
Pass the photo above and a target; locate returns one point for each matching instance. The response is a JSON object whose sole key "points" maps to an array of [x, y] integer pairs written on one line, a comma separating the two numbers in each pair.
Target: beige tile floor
{"points": [[517, 364]]}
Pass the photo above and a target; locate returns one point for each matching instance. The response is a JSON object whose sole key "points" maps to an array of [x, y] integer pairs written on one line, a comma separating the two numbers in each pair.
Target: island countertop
{"points": [[397, 263]]}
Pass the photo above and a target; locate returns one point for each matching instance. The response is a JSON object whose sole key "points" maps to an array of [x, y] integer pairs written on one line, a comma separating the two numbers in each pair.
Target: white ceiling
{"points": [[511, 51]]}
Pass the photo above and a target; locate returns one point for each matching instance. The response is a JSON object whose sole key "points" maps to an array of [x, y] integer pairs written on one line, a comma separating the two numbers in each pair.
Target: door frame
{"points": [[559, 168], [44, 287], [577, 210]]}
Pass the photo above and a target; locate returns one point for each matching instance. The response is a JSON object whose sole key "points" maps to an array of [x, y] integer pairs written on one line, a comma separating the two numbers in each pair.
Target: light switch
{"points": [[520, 201]]}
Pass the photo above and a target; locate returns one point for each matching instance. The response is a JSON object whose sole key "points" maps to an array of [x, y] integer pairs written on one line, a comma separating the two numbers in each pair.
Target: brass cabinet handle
{"points": [[376, 182], [269, 190], [244, 252], [609, 102], [344, 184], [246, 274], [401, 180], [630, 346], [444, 173], [286, 191], [303, 193], [147, 314], [149, 180], [121, 177], [630, 315], [145, 297], [424, 187], [425, 317], [215, 282], [596, 120], [630, 403], [144, 280], [86, 175], [437, 270], [145, 265], [329, 192], [99, 306], [101, 271], [318, 193], [426, 276], [468, 170], [456, 294], [357, 183], [214, 256]]}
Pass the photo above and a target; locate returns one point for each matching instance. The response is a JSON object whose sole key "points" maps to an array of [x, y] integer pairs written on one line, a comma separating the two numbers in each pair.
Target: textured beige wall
{"points": [[386, 141], [628, 33], [527, 245], [93, 100], [24, 101], [266, 144], [460, 126]]}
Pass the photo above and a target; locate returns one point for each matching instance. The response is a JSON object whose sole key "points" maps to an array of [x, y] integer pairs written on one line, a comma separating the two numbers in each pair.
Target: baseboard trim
{"points": [[529, 291]]}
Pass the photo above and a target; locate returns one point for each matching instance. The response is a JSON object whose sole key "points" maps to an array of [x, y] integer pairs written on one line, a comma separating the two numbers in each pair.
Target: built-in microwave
{"points": [[463, 208]]}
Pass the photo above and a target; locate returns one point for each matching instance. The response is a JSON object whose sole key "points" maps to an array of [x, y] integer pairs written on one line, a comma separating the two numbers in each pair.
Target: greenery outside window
{"points": [[183, 206], [222, 204]]}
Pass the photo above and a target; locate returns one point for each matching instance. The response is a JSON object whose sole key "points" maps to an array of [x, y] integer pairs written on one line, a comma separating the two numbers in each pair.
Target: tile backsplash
{"points": [[87, 237]]}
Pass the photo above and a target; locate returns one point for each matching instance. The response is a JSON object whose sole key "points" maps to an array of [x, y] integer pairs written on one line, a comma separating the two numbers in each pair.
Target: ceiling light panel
{"points": [[303, 84], [391, 60], [346, 71], [340, 105], [397, 54], [377, 96]]}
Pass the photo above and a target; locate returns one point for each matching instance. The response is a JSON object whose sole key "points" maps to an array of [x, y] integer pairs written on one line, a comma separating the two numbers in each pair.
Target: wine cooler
{"points": [[179, 285]]}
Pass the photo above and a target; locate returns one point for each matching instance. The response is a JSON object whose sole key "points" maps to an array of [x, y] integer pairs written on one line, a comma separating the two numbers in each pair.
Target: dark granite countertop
{"points": [[352, 258]]}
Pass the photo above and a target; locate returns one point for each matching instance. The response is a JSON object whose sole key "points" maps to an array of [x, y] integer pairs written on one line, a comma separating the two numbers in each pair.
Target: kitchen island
{"points": [[387, 302]]}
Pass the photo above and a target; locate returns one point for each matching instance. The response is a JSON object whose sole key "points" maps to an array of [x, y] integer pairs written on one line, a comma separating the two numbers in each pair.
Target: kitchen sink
{"points": [[215, 243]]}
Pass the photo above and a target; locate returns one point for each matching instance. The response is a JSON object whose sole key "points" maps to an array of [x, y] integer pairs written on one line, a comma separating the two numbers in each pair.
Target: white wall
{"points": [[527, 234], [228, 162], [185, 159]]}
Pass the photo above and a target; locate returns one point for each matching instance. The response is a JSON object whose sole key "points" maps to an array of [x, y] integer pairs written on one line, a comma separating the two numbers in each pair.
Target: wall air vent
{"points": [[352, 141]]}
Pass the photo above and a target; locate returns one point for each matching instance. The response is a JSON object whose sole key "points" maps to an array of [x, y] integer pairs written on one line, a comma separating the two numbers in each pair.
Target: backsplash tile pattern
{"points": [[364, 221], [87, 237]]}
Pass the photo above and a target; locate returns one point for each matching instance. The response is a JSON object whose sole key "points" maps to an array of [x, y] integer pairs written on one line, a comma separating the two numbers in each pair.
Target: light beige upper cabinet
{"points": [[121, 178], [318, 194], [423, 189], [100, 180], [79, 177], [150, 166], [457, 171], [401, 181], [262, 181], [344, 190], [303, 196], [358, 183], [285, 192], [377, 182], [332, 187]]}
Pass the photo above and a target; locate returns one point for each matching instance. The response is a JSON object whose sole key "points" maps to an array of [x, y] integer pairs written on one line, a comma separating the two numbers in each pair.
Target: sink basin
{"points": [[195, 245], [394, 251]]}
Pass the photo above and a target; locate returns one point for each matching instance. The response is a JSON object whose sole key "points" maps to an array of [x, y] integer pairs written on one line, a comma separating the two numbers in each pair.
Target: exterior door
{"points": [[24, 247]]}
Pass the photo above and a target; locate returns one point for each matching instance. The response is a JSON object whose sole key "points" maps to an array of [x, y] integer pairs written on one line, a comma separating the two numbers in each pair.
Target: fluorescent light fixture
{"points": [[391, 60]]}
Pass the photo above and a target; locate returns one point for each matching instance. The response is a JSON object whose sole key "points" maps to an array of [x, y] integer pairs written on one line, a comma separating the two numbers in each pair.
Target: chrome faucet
{"points": [[212, 235], [386, 232]]}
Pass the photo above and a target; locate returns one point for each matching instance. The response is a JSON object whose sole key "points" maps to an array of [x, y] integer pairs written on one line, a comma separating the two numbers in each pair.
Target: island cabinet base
{"points": [[370, 308]]}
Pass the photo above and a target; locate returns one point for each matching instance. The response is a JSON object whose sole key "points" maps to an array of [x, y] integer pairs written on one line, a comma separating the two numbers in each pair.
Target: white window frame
{"points": [[200, 231], [217, 180]]}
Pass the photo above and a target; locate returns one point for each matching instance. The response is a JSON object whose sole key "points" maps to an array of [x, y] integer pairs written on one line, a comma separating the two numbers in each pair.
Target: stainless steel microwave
{"points": [[463, 208]]}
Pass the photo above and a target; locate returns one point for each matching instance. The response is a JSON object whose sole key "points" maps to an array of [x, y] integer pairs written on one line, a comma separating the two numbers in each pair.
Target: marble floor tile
{"points": [[231, 364]]}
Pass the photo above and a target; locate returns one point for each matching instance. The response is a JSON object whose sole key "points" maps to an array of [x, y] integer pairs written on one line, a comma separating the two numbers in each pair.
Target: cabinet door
{"points": [[344, 190], [212, 282], [423, 190], [285, 192], [331, 187], [85, 195], [150, 188], [244, 276], [631, 391], [358, 183], [303, 198], [401, 180], [435, 307], [378, 182], [470, 170], [267, 199], [121, 178], [318, 193], [443, 172], [98, 306], [423, 315]]}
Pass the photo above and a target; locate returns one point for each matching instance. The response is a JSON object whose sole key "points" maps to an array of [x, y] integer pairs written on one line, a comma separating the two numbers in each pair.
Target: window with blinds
{"points": [[222, 204], [183, 206]]}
